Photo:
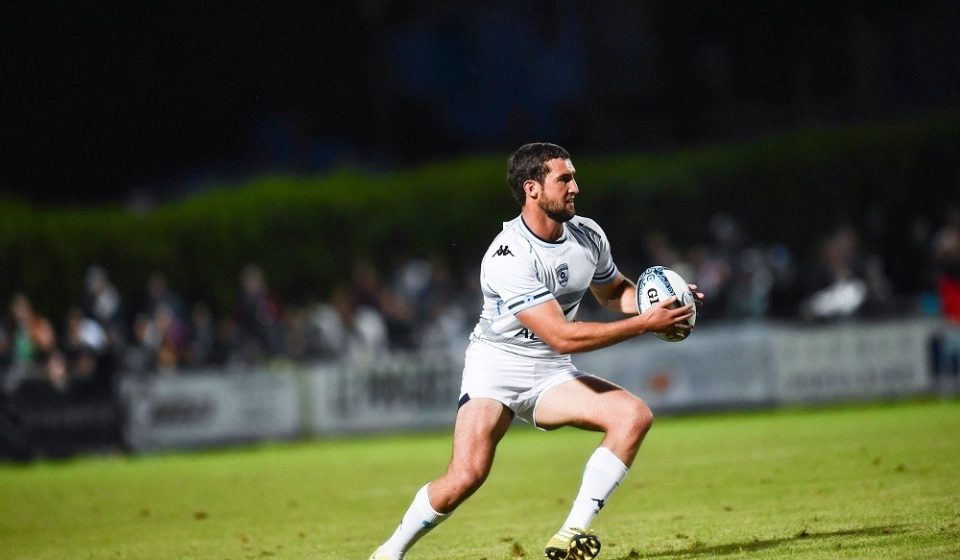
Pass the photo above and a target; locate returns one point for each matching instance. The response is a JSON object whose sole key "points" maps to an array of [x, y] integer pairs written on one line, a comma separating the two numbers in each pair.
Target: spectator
{"points": [[329, 330], [368, 294], [301, 335], [446, 329], [140, 356], [414, 282], [57, 372], [350, 331], [4, 351], [836, 288], [946, 255], [226, 347], [84, 346], [104, 304], [441, 319], [171, 336], [711, 273], [202, 336], [159, 342], [751, 283], [783, 295], [259, 317], [34, 342], [879, 300], [160, 294]]}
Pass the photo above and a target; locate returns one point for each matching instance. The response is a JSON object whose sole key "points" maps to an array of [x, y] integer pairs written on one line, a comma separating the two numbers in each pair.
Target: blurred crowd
{"points": [[422, 304], [421, 307]]}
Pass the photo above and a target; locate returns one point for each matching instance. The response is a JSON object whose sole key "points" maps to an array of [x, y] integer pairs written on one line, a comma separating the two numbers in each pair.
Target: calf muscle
{"points": [[481, 424]]}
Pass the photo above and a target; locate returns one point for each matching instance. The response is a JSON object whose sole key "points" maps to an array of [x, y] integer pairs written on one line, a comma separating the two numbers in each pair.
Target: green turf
{"points": [[875, 482]]}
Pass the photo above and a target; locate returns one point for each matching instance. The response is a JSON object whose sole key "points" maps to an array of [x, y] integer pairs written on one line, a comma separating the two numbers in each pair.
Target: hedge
{"points": [[308, 231]]}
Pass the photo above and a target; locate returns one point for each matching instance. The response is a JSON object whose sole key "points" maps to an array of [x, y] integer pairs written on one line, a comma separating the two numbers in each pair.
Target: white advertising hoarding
{"points": [[202, 409]]}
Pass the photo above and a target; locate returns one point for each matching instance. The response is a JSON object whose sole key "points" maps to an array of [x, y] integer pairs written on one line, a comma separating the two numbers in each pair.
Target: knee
{"points": [[466, 479], [636, 419], [646, 417]]}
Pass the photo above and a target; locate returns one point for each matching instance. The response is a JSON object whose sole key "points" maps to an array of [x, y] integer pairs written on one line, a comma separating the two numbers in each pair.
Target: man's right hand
{"points": [[663, 317]]}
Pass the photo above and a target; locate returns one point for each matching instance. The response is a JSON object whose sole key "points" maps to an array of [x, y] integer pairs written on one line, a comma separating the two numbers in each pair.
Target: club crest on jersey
{"points": [[563, 274], [503, 250]]}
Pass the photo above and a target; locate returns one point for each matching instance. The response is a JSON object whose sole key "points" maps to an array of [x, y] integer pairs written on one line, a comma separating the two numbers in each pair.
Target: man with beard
{"points": [[533, 277]]}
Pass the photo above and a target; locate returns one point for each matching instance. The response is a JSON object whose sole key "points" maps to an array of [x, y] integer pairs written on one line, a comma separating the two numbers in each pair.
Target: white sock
{"points": [[603, 474], [417, 522]]}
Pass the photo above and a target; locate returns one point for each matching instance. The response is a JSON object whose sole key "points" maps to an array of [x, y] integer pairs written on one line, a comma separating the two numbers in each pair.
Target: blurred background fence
{"points": [[722, 367]]}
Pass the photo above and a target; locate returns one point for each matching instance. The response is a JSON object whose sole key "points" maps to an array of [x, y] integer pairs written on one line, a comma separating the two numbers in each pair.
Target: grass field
{"points": [[879, 481]]}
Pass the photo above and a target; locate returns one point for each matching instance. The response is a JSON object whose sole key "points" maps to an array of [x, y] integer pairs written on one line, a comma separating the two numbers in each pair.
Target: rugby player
{"points": [[518, 364]]}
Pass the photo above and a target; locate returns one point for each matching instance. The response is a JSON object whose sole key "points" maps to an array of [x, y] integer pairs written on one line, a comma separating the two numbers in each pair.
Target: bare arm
{"points": [[618, 295], [548, 323]]}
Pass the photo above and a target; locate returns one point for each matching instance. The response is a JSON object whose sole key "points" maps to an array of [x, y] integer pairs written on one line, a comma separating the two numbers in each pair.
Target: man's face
{"points": [[559, 190]]}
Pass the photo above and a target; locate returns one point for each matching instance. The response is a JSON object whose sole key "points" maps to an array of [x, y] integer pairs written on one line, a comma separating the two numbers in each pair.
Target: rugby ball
{"points": [[658, 283]]}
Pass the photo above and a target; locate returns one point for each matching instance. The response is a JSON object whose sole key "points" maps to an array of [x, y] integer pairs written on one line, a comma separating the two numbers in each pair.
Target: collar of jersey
{"points": [[542, 241]]}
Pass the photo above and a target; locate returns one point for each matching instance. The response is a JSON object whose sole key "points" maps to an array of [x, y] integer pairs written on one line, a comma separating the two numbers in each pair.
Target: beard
{"points": [[557, 210]]}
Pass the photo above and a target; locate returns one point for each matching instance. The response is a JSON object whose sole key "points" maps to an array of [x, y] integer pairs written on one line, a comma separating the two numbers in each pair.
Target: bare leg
{"points": [[591, 403], [481, 424], [594, 404]]}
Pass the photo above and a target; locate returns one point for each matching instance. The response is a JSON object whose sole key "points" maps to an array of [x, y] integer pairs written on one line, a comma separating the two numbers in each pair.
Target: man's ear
{"points": [[531, 188]]}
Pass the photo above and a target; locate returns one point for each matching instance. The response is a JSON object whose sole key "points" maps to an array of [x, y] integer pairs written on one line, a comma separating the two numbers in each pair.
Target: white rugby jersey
{"points": [[521, 270]]}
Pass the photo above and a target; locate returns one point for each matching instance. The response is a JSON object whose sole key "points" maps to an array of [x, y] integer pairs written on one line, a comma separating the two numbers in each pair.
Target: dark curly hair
{"points": [[530, 162]]}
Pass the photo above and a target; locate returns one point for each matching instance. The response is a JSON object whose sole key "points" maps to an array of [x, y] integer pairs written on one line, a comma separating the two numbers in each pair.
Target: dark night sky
{"points": [[101, 98], [108, 97]]}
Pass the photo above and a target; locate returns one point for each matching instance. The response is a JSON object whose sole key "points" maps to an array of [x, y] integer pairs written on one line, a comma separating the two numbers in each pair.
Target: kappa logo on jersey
{"points": [[563, 274], [503, 250]]}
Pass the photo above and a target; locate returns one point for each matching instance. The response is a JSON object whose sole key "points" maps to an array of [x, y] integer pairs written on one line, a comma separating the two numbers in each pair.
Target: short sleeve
{"points": [[606, 269], [512, 274]]}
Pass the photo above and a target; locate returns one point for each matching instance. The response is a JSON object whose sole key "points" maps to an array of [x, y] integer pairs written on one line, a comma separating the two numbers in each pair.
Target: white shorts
{"points": [[516, 381]]}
